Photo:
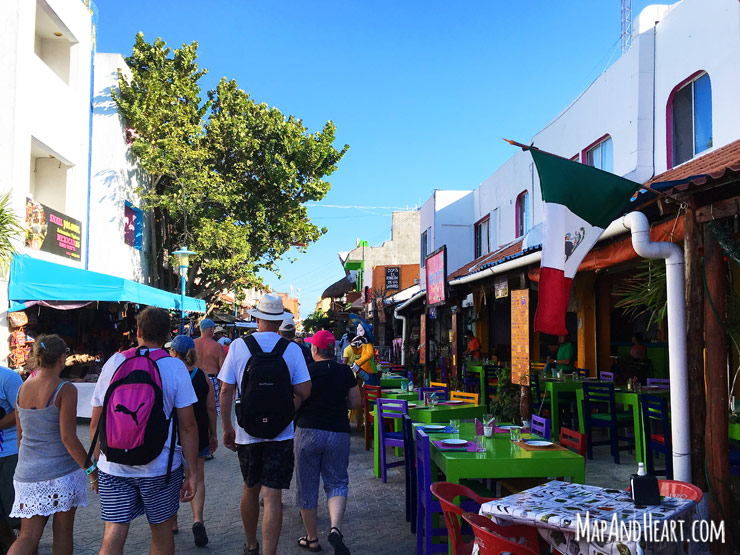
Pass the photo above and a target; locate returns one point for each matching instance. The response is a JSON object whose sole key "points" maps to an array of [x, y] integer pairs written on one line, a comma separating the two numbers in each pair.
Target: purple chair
{"points": [[426, 503], [389, 408], [606, 376], [440, 391], [541, 426], [409, 458], [662, 383]]}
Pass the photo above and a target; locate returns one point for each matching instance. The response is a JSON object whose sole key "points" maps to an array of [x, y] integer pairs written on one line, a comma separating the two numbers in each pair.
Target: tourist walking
{"points": [[211, 354], [50, 477], [138, 476], [269, 374], [287, 330], [183, 347], [322, 441], [10, 383]]}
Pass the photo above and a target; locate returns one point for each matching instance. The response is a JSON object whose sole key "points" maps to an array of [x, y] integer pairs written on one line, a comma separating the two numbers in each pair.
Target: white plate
{"points": [[508, 427], [434, 427], [455, 442], [455, 402], [538, 443], [411, 405]]}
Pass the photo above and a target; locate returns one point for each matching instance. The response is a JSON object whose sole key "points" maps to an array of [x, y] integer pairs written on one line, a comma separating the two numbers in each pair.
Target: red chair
{"points": [[675, 488], [573, 440], [493, 539], [371, 394], [446, 492]]}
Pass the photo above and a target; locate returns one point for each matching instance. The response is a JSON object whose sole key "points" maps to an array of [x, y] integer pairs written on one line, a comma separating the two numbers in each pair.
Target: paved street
{"points": [[374, 522]]}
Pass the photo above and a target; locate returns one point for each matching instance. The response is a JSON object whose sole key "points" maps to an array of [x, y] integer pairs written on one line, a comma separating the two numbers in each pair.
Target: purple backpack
{"points": [[133, 427]]}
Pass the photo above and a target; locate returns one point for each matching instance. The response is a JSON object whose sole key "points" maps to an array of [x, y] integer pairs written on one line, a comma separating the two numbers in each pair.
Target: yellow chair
{"points": [[537, 366], [472, 398], [437, 384]]}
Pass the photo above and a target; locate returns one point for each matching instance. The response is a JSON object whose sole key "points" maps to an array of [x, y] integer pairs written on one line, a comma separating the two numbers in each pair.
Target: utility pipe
{"points": [[403, 334], [674, 265]]}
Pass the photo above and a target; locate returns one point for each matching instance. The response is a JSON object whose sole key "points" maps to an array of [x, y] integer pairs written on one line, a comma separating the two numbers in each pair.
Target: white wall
{"points": [[115, 176]]}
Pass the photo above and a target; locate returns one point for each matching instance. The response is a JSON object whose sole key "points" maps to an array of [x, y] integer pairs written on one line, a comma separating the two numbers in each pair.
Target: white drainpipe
{"points": [[403, 335], [675, 295]]}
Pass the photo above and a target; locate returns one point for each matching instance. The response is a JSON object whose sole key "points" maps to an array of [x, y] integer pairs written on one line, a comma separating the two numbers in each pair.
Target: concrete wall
{"points": [[115, 178]]}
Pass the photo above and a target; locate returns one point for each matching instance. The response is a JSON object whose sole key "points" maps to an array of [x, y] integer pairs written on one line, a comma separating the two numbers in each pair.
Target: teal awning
{"points": [[32, 279]]}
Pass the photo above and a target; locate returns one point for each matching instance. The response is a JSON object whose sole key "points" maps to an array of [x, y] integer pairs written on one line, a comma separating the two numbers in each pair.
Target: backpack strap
{"points": [[193, 373], [253, 346], [171, 456], [280, 346]]}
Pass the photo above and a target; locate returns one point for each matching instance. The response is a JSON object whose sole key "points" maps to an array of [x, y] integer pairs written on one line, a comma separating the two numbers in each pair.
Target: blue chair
{"points": [[538, 398], [410, 463], [541, 426], [440, 391], [600, 397], [606, 376], [656, 421], [427, 505], [443, 370], [662, 383], [470, 383], [394, 409]]}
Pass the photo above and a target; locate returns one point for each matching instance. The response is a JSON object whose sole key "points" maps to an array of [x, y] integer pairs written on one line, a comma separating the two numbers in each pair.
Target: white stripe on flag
{"points": [[566, 233]]}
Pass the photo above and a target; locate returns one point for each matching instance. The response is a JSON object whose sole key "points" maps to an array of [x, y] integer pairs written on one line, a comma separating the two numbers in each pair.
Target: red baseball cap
{"points": [[323, 339]]}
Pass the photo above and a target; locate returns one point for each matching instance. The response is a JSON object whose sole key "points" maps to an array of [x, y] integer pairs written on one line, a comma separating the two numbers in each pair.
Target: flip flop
{"points": [[336, 539], [305, 543]]}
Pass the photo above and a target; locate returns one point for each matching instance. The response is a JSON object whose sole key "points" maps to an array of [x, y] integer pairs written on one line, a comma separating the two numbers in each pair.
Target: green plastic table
{"points": [[630, 399], [390, 380], [438, 414], [734, 430], [555, 387], [400, 394]]}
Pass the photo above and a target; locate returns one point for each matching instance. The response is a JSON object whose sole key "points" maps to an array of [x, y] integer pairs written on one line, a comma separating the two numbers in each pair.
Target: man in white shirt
{"points": [[127, 492], [266, 464]]}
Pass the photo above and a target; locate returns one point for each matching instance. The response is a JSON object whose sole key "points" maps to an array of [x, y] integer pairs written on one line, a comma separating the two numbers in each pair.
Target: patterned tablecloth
{"points": [[553, 509]]}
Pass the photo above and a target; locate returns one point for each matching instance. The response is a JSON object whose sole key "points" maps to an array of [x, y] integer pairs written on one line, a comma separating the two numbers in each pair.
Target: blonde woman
{"points": [[50, 476]]}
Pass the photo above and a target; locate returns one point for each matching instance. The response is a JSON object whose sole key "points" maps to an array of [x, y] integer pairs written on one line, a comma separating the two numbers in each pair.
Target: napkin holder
{"points": [[644, 490]]}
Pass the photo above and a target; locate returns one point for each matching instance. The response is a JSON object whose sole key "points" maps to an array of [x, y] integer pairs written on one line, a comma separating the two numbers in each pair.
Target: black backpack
{"points": [[266, 404]]}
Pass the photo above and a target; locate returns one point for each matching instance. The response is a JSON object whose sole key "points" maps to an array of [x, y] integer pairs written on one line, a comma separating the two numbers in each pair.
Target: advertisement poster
{"points": [[501, 287], [52, 231], [436, 271], [520, 337], [423, 340], [392, 278]]}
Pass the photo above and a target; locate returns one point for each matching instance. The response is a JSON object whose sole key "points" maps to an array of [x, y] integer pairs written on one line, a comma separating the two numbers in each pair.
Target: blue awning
{"points": [[32, 279]]}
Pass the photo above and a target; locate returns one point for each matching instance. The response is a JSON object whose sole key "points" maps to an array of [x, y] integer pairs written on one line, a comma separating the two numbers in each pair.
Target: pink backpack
{"points": [[133, 427]]}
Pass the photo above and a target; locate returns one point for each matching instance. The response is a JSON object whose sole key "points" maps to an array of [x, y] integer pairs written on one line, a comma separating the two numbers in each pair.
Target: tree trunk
{"points": [[693, 242], [718, 465]]}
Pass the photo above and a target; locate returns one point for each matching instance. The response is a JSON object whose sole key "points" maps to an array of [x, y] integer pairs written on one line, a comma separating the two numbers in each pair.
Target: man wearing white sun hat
{"points": [[266, 460]]}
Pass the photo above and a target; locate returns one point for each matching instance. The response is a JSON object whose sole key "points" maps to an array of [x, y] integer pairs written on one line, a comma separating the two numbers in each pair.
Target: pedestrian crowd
{"points": [[154, 423]]}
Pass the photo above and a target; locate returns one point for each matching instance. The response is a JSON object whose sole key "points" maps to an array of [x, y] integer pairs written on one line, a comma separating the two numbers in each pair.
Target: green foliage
{"points": [[9, 228], [645, 292], [319, 321], [506, 407], [229, 176]]}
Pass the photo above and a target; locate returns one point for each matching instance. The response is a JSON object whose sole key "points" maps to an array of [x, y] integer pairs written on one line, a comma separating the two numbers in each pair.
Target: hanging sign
{"points": [[520, 337], [392, 277], [52, 231], [436, 273], [501, 287], [423, 340]]}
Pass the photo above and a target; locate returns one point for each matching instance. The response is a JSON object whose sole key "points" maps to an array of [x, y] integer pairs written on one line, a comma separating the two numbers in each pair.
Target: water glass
{"points": [[488, 419], [455, 425], [480, 444], [516, 433], [488, 430]]}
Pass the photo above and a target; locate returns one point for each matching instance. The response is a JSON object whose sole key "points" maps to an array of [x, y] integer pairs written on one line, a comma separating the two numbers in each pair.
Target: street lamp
{"points": [[183, 257]]}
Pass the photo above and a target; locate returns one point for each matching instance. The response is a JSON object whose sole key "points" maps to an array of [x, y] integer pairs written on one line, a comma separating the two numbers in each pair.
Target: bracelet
{"points": [[92, 468]]}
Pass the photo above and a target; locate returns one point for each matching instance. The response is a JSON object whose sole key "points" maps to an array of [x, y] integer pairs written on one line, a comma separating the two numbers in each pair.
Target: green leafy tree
{"points": [[9, 230], [319, 321], [229, 176]]}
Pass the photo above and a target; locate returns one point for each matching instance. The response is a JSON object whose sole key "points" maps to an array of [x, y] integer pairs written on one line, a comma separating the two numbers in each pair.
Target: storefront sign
{"points": [[52, 231], [423, 340], [436, 272], [501, 287], [520, 337], [392, 278]]}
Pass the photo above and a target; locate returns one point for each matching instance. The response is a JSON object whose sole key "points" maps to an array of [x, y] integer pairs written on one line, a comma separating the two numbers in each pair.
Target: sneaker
{"points": [[199, 534], [255, 551]]}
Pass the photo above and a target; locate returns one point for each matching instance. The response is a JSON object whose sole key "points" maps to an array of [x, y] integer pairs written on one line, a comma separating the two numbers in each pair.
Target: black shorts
{"points": [[269, 463]]}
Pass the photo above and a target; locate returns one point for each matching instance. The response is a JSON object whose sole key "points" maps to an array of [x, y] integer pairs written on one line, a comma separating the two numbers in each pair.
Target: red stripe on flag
{"points": [[552, 301]]}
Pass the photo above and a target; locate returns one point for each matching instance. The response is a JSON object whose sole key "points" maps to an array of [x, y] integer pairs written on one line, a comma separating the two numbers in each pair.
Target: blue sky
{"points": [[422, 91]]}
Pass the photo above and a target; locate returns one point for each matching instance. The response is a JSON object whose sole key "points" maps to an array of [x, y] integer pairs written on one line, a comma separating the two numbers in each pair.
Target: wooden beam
{"points": [[717, 210], [718, 464], [692, 247]]}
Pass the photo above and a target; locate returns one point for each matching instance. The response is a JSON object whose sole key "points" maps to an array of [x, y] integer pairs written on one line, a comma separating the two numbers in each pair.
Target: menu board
{"points": [[436, 272], [52, 231], [392, 277], [520, 337]]}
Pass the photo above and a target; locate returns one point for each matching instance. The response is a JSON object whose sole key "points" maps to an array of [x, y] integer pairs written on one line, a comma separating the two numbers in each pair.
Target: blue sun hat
{"points": [[182, 344], [360, 321]]}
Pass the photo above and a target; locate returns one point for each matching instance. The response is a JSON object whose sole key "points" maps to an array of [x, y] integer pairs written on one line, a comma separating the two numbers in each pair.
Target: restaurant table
{"points": [[552, 508], [555, 387], [400, 394], [733, 430], [623, 396], [84, 396], [390, 380], [439, 414]]}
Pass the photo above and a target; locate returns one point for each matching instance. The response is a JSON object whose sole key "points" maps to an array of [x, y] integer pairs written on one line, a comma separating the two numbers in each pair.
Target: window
{"points": [[482, 237], [522, 214], [133, 226], [690, 119], [424, 248], [52, 42], [493, 229], [601, 155]]}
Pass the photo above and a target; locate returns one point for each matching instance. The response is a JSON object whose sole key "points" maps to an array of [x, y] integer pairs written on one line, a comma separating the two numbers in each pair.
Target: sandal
{"points": [[336, 539], [305, 543], [255, 551]]}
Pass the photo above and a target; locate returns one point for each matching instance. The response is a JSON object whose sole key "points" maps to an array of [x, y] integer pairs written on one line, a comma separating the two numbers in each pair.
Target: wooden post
{"points": [[692, 247], [718, 465]]}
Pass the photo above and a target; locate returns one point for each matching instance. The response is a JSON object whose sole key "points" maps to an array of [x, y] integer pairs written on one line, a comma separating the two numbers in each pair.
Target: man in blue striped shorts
{"points": [[127, 492]]}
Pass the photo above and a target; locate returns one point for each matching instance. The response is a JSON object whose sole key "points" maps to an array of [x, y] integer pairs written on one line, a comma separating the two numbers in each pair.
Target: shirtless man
{"points": [[210, 354]]}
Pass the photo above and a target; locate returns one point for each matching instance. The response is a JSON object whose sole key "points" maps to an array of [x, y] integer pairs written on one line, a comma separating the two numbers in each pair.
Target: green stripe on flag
{"points": [[590, 193]]}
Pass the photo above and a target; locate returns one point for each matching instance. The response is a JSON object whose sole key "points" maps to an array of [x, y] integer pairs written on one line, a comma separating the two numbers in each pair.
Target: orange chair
{"points": [[573, 440], [471, 398], [446, 492], [437, 384], [371, 394], [493, 539]]}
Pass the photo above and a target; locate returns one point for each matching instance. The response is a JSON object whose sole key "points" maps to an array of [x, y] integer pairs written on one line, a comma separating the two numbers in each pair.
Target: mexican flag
{"points": [[580, 202]]}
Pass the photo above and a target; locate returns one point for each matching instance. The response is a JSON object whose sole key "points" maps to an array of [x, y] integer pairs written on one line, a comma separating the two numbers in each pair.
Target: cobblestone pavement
{"points": [[374, 522]]}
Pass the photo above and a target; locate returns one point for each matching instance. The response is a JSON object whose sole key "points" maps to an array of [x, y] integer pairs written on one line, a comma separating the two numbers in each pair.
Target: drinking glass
{"points": [[516, 433], [455, 425], [488, 419], [488, 430], [480, 444]]}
